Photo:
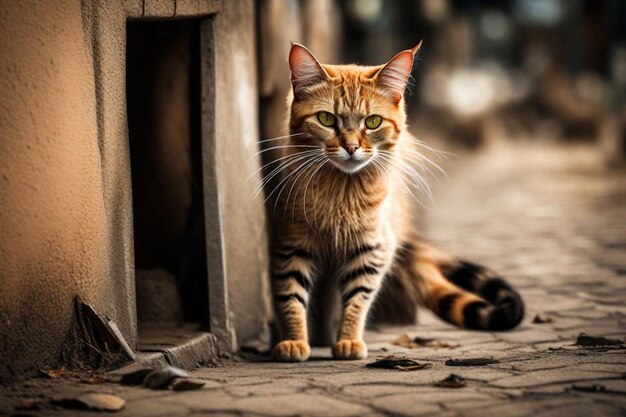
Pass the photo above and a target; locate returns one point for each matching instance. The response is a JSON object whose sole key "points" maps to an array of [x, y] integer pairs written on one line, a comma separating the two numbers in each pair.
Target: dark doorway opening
{"points": [[164, 120]]}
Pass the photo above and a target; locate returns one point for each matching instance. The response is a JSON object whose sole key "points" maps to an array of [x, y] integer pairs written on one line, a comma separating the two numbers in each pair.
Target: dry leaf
{"points": [[471, 362], [53, 373], [92, 401], [397, 363]]}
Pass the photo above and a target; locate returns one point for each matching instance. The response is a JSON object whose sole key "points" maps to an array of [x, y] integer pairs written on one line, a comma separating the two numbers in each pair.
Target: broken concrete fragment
{"points": [[93, 341], [452, 381], [471, 362], [92, 401]]}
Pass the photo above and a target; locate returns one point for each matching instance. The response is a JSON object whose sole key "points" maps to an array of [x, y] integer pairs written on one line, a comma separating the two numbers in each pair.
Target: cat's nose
{"points": [[350, 147]]}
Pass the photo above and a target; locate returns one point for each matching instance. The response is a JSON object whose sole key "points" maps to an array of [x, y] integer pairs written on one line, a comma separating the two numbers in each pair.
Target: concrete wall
{"points": [[55, 236], [65, 188]]}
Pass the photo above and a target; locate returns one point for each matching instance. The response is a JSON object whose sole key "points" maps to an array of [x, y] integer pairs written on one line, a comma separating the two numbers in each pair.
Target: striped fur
{"points": [[342, 219]]}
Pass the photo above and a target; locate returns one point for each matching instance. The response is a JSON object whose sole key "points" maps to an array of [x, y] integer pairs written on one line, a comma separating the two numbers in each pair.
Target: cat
{"points": [[343, 221]]}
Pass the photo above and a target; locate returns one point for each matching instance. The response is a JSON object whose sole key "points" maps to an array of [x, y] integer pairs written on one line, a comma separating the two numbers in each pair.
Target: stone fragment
{"points": [[542, 318], [588, 340], [451, 381], [162, 378], [187, 384]]}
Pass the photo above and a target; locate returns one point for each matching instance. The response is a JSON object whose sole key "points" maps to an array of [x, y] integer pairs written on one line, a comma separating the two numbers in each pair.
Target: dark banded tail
{"points": [[475, 297]]}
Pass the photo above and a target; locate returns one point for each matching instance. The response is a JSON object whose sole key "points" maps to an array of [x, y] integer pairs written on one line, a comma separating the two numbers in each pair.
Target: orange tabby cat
{"points": [[344, 222]]}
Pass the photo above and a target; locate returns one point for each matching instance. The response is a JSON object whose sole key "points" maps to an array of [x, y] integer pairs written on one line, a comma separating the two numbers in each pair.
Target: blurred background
{"points": [[514, 70]]}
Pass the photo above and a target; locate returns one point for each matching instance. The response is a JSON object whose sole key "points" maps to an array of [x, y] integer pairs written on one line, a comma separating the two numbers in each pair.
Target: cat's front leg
{"points": [[292, 278], [359, 283]]}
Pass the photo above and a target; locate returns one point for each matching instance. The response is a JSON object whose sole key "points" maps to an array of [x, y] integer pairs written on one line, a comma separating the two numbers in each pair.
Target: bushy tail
{"points": [[475, 297], [460, 292]]}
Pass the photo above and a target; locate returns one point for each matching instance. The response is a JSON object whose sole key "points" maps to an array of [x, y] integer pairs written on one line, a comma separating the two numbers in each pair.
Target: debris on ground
{"points": [[542, 318], [471, 362], [397, 363], [26, 404], [588, 340], [187, 384], [92, 401], [135, 377], [451, 381], [52, 373], [589, 388], [88, 377], [414, 342], [162, 378], [94, 341]]}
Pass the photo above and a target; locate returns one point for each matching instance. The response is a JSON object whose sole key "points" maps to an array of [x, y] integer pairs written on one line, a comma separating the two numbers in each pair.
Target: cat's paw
{"points": [[292, 351], [350, 349]]}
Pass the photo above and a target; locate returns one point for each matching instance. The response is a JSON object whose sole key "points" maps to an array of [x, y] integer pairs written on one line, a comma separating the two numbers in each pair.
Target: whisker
{"points": [[279, 137], [286, 178], [307, 187], [282, 147], [293, 155], [438, 152], [305, 167], [421, 157], [265, 180], [293, 183], [403, 182]]}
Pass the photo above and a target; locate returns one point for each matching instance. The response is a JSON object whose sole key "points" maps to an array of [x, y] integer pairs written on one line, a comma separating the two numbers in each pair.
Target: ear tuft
{"points": [[305, 69], [393, 77]]}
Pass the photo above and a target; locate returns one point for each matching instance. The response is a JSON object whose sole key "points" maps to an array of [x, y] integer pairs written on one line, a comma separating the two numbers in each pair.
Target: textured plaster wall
{"points": [[53, 243], [65, 189]]}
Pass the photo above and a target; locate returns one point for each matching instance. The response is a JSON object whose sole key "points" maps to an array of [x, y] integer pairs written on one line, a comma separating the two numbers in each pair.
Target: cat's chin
{"points": [[349, 166]]}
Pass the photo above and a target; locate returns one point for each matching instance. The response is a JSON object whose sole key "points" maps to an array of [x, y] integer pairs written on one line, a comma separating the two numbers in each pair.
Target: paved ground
{"points": [[552, 221]]}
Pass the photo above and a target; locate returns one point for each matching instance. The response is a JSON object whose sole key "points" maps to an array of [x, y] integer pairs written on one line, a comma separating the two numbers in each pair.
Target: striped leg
{"points": [[366, 267], [292, 275]]}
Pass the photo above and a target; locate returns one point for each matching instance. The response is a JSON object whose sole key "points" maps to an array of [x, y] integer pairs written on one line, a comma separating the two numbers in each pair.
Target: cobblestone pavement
{"points": [[553, 222]]}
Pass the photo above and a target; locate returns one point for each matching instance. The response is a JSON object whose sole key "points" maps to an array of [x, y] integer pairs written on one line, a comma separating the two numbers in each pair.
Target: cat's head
{"points": [[354, 113]]}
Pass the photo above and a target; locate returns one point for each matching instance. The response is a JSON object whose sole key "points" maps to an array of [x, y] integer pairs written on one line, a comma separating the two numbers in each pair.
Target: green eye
{"points": [[326, 119], [372, 122]]}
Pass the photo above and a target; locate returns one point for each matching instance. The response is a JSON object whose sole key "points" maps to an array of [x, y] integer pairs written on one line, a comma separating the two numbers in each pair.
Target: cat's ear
{"points": [[305, 69], [393, 77]]}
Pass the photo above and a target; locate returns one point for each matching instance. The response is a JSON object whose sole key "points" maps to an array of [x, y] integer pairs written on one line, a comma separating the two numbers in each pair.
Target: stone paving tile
{"points": [[552, 222]]}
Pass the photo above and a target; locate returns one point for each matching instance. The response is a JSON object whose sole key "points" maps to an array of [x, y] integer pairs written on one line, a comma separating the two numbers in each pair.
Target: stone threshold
{"points": [[183, 346]]}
